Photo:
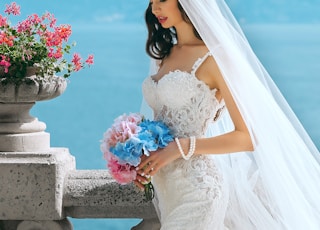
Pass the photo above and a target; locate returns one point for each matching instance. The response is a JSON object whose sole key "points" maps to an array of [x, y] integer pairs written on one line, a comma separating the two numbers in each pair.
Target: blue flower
{"points": [[164, 136], [157, 131], [153, 135], [148, 141], [128, 152]]}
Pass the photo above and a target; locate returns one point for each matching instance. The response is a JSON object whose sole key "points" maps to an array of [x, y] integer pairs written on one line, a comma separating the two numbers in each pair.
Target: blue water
{"points": [[95, 96]]}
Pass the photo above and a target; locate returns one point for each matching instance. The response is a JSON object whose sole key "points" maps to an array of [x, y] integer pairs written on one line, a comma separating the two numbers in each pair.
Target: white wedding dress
{"points": [[274, 187], [212, 192], [189, 194]]}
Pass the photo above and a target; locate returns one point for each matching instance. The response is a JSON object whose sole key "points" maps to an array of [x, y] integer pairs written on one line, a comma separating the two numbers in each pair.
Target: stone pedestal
{"points": [[32, 184], [19, 131]]}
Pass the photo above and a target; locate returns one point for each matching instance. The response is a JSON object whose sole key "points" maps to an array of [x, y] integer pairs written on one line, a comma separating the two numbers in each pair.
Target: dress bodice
{"points": [[182, 101]]}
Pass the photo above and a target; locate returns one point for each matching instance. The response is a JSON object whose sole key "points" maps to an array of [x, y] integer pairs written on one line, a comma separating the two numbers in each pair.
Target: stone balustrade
{"points": [[94, 194], [42, 194]]}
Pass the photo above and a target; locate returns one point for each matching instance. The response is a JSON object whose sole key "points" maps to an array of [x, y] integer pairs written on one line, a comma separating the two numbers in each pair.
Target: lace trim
{"points": [[186, 104], [199, 62]]}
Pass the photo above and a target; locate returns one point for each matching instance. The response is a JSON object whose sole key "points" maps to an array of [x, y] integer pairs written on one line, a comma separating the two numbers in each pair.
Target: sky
{"points": [[92, 13]]}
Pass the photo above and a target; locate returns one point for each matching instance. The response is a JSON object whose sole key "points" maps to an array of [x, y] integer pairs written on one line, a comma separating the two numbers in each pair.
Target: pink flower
{"points": [[5, 62], [123, 174], [13, 8], [59, 35], [110, 137], [3, 21], [24, 26], [53, 39], [76, 60], [64, 32], [89, 60], [123, 128], [104, 147], [50, 17], [132, 117], [34, 19], [55, 53]]}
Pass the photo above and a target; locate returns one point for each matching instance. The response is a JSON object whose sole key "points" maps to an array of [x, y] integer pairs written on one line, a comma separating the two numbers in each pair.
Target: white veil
{"points": [[278, 185]]}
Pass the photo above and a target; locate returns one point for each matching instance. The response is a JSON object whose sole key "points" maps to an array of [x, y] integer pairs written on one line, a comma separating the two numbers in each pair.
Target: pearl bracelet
{"points": [[192, 148]]}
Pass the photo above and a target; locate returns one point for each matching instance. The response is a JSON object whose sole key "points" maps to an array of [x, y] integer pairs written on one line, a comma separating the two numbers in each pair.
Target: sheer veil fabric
{"points": [[276, 186]]}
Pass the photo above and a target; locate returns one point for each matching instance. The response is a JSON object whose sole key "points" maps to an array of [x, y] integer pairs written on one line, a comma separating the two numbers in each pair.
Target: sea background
{"points": [[284, 34]]}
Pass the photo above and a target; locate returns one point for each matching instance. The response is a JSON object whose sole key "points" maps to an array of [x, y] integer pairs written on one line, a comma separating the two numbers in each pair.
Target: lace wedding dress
{"points": [[274, 187], [189, 194]]}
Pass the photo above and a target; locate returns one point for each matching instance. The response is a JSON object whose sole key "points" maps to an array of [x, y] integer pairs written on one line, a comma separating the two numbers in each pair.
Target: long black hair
{"points": [[161, 40]]}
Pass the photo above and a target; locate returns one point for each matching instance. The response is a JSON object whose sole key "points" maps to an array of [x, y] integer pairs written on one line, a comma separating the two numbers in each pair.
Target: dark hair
{"points": [[160, 40]]}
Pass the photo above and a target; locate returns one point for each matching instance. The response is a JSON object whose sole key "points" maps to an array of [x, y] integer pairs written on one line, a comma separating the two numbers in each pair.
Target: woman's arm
{"points": [[239, 139]]}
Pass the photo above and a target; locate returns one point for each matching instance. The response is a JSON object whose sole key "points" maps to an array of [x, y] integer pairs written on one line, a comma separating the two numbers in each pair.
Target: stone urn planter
{"points": [[19, 131]]}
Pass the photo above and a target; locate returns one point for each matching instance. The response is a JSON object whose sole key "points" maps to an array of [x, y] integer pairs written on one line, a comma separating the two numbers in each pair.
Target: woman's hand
{"points": [[150, 165]]}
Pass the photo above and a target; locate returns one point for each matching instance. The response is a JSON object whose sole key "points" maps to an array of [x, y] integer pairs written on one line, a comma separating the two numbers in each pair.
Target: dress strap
{"points": [[198, 62]]}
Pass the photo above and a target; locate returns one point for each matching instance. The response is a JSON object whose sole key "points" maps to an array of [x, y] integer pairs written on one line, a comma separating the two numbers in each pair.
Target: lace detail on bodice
{"points": [[182, 101]]}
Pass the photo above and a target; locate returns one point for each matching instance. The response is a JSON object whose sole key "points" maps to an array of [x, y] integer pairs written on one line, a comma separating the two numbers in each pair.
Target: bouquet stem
{"points": [[149, 191]]}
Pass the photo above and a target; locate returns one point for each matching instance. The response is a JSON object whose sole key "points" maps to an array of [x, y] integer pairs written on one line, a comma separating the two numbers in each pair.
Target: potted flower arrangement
{"points": [[35, 50], [35, 61]]}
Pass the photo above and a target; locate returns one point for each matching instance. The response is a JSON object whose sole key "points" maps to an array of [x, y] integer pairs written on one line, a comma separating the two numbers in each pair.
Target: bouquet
{"points": [[130, 137]]}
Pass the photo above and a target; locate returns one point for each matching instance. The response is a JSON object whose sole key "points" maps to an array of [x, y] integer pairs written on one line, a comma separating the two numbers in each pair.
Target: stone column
{"points": [[32, 174]]}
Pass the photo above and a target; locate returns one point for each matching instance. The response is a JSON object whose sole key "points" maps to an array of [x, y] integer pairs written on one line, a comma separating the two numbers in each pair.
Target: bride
{"points": [[241, 159]]}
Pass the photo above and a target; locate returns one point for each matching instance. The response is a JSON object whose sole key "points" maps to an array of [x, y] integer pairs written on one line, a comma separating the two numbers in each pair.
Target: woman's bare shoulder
{"points": [[209, 72]]}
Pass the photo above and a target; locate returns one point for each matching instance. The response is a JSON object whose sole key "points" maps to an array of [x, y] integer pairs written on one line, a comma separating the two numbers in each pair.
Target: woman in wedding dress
{"points": [[240, 160]]}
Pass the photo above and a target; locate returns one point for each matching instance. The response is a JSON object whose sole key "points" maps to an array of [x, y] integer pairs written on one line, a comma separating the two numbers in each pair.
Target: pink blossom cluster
{"points": [[6, 39], [122, 173], [77, 61], [13, 8], [124, 127], [3, 21], [45, 28]]}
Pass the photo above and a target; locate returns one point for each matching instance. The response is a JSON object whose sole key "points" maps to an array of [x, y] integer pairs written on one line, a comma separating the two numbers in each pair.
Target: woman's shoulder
{"points": [[209, 71]]}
